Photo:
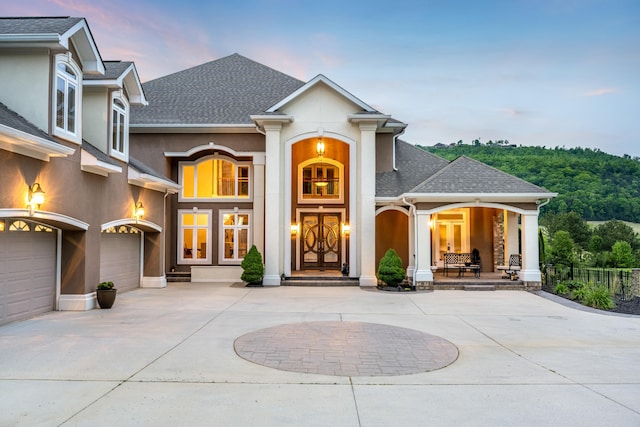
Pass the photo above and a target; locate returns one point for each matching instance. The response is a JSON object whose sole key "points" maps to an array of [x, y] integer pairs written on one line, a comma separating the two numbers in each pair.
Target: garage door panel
{"points": [[120, 260], [28, 272]]}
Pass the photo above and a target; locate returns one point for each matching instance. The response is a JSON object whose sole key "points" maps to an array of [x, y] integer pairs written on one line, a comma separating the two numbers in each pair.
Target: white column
{"points": [[411, 268], [273, 224], [258, 201], [423, 249], [511, 235], [367, 203], [530, 255]]}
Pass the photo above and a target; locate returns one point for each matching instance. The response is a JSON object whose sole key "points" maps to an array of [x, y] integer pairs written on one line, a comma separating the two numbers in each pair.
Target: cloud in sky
{"points": [[452, 70], [600, 92]]}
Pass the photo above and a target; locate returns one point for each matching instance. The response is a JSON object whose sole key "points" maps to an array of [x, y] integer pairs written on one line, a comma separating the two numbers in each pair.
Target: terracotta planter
{"points": [[106, 297]]}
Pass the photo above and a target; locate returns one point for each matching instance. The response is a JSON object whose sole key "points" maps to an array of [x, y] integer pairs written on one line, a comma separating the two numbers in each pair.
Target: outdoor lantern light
{"points": [[346, 229], [139, 210], [320, 147], [36, 197], [295, 229]]}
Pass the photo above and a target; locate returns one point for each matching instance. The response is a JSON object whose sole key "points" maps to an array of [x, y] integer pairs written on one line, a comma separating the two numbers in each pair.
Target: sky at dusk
{"points": [[545, 73]]}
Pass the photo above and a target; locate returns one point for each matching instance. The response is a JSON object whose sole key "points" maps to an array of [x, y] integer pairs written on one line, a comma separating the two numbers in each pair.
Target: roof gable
{"points": [[53, 32], [312, 83], [120, 74], [465, 175], [225, 91]]}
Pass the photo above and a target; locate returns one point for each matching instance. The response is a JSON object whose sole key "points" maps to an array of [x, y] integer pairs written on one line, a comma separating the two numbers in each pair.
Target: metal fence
{"points": [[619, 281]]}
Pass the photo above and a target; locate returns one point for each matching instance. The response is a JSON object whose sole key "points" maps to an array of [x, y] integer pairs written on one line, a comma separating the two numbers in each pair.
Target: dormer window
{"points": [[119, 127], [67, 99]]}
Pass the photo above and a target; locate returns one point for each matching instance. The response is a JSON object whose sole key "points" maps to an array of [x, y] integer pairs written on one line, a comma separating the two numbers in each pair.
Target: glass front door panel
{"points": [[321, 241]]}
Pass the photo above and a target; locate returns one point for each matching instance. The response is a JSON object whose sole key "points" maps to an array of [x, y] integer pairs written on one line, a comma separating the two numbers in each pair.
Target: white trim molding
{"points": [[79, 302]]}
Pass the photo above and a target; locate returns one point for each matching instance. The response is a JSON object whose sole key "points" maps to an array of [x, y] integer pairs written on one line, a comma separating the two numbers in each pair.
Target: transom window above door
{"points": [[215, 178], [320, 180]]}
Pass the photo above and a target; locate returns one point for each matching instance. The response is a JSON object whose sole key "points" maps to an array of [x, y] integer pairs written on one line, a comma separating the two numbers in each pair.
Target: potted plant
{"points": [[390, 269], [106, 294], [252, 267]]}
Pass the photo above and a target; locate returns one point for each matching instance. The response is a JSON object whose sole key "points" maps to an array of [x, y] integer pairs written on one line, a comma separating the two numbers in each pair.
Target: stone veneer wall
{"points": [[498, 239]]}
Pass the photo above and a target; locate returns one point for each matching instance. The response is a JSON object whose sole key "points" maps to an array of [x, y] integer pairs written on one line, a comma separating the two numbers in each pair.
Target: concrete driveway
{"points": [[165, 357]]}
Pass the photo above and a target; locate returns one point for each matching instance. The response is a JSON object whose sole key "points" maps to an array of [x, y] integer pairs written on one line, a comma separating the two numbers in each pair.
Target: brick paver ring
{"points": [[346, 349]]}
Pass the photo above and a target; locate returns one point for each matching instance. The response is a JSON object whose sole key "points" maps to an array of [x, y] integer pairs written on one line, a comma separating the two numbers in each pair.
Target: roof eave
{"points": [[192, 128], [30, 145], [144, 180]]}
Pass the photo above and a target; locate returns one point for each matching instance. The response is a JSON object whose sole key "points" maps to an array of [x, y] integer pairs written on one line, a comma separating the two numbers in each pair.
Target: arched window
{"points": [[320, 179], [67, 98], [119, 127], [215, 178]]}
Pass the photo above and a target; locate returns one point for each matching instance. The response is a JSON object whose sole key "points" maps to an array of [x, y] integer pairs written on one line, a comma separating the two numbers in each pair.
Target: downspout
{"points": [[546, 202], [164, 240], [412, 210]]}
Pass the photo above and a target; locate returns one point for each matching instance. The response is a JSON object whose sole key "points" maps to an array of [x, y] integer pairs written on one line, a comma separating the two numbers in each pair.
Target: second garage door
{"points": [[120, 259]]}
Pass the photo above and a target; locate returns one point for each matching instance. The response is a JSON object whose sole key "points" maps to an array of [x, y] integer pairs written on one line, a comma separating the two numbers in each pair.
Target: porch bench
{"points": [[511, 270], [461, 262]]}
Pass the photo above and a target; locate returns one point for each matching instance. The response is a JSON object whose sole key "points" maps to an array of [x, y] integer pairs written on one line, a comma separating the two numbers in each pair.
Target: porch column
{"points": [[258, 201], [530, 258], [424, 275], [273, 224], [366, 232], [511, 235], [411, 267]]}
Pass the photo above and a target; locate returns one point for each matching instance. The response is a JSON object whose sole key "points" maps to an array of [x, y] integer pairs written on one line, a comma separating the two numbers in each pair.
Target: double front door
{"points": [[320, 248]]}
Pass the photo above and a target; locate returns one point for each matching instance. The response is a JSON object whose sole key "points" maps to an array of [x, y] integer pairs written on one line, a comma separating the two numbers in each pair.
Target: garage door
{"points": [[120, 258], [27, 270]]}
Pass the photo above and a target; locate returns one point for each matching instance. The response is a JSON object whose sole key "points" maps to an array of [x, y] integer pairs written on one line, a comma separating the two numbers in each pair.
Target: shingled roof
{"points": [[224, 91], [465, 175], [37, 25], [113, 70], [11, 119], [414, 166]]}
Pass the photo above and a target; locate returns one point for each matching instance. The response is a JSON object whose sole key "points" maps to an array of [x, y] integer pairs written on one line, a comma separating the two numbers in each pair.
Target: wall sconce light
{"points": [[320, 147], [139, 210], [346, 229], [36, 197], [295, 230]]}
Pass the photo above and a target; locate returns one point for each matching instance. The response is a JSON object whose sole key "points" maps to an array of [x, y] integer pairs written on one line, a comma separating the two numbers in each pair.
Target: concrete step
{"points": [[479, 288], [319, 281], [179, 276]]}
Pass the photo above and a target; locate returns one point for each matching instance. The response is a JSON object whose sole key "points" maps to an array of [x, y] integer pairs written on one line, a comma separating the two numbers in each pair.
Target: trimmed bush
{"points": [[390, 269], [252, 266]]}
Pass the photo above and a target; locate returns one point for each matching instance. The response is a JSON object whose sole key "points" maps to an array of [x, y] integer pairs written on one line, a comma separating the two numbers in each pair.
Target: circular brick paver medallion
{"points": [[346, 349]]}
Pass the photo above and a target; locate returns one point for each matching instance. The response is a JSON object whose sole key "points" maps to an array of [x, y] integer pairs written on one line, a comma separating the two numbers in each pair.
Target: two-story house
{"points": [[75, 208], [317, 179]]}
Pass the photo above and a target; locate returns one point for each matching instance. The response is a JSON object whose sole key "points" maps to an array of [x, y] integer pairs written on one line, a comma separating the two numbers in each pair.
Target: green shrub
{"points": [[105, 285], [598, 297], [390, 269], [561, 289], [578, 292], [252, 266]]}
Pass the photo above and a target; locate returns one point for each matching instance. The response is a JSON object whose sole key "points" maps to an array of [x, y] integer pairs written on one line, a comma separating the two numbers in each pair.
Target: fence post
{"points": [[635, 279]]}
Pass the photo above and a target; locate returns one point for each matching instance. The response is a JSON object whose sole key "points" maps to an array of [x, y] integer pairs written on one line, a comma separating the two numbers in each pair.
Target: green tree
{"points": [[622, 255], [252, 266], [390, 269], [612, 231], [562, 248]]}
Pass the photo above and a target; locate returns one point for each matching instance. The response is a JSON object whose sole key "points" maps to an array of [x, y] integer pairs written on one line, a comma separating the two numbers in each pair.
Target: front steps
{"points": [[319, 281], [178, 276]]}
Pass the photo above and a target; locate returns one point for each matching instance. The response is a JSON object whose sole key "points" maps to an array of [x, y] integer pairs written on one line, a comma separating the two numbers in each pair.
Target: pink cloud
{"points": [[600, 92]]}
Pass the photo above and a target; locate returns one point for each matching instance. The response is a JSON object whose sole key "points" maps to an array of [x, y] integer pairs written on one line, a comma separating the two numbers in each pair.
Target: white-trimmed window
{"points": [[67, 108], [235, 233], [194, 236], [119, 127], [215, 178]]}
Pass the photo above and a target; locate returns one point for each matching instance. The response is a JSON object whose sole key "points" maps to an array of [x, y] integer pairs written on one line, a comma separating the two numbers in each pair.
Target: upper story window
{"points": [[215, 178], [320, 180], [67, 98], [119, 127]]}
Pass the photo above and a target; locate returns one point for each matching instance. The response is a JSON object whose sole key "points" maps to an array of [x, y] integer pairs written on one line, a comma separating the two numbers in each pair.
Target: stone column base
{"points": [[533, 286], [424, 286]]}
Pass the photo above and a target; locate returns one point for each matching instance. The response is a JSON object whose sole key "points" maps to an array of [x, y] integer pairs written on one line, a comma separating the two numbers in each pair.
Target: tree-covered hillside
{"points": [[596, 185]]}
